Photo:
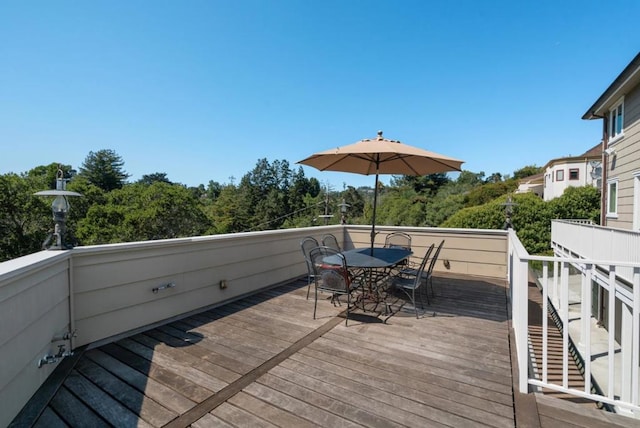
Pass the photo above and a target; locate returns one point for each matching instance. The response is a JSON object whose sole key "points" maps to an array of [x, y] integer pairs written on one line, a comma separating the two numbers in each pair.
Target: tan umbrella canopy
{"points": [[381, 156]]}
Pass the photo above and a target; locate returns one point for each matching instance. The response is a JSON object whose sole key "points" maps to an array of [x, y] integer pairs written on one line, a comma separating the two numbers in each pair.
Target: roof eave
{"points": [[629, 78]]}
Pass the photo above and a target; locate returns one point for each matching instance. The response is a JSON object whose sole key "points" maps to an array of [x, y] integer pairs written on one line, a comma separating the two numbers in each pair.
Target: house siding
{"points": [[626, 161]]}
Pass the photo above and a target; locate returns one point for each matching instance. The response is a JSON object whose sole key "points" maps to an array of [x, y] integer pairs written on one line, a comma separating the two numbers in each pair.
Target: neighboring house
{"points": [[619, 108], [575, 171], [532, 184], [572, 171]]}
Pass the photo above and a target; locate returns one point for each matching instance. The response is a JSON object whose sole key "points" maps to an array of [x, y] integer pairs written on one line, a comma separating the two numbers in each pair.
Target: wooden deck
{"points": [[263, 361]]}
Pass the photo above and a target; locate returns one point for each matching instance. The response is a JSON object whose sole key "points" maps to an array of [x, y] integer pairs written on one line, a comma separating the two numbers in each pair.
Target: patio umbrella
{"points": [[381, 156]]}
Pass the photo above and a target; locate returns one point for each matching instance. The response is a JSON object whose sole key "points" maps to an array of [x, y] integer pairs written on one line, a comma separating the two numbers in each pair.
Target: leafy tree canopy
{"points": [[104, 169], [156, 177], [526, 171]]}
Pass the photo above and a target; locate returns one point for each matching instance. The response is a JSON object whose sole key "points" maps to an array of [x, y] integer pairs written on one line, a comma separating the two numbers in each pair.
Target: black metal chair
{"points": [[331, 277], [398, 239], [429, 273], [412, 281], [307, 244], [331, 241]]}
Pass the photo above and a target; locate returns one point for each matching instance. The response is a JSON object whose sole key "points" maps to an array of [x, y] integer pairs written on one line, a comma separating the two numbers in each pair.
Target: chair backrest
{"points": [[420, 273], [330, 241], [307, 244], [329, 269], [398, 239], [435, 258]]}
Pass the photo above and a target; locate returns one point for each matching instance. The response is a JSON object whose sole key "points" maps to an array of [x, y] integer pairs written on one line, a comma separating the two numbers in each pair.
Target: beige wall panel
{"points": [[20, 376], [125, 301], [471, 252], [22, 349], [11, 286], [168, 303], [34, 306], [29, 297]]}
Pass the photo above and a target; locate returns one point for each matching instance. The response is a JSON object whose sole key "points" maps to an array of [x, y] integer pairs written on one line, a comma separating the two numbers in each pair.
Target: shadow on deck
{"points": [[264, 361]]}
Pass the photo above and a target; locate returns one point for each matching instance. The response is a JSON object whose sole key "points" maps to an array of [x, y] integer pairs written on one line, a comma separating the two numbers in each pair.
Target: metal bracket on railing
{"points": [[163, 287]]}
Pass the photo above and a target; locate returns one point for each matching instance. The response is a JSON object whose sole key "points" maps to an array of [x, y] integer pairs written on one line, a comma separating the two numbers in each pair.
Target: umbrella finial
{"points": [[380, 135]]}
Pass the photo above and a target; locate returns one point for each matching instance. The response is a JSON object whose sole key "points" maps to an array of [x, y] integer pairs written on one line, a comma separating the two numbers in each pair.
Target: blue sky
{"points": [[201, 90]]}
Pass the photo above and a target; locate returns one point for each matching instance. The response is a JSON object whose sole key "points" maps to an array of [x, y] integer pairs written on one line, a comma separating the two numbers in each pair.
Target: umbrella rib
{"points": [[413, 170], [343, 157]]}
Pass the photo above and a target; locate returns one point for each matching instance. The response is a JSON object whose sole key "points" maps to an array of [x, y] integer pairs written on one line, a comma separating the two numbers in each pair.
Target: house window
{"points": [[616, 121], [560, 175], [574, 174], [612, 200]]}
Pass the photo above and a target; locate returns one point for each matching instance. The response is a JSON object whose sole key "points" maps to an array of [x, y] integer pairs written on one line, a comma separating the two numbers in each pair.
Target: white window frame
{"points": [[612, 213], [612, 121]]}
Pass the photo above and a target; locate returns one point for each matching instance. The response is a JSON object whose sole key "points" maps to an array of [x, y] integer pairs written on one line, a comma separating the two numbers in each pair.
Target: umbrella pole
{"points": [[375, 204]]}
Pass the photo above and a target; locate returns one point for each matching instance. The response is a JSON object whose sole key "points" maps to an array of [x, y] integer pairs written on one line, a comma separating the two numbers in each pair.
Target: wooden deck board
{"points": [[73, 411], [134, 400], [183, 354], [274, 365], [269, 412], [102, 403], [153, 389], [408, 388], [161, 374], [210, 421], [49, 419], [239, 417]]}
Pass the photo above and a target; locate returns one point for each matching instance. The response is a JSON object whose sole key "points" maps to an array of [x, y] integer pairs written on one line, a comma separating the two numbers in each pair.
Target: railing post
{"points": [[585, 326], [611, 321], [554, 294], [564, 316], [522, 337], [626, 344], [545, 321], [635, 358]]}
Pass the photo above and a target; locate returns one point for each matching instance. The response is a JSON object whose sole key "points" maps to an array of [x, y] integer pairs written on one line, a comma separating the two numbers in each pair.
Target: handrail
{"points": [[567, 282]]}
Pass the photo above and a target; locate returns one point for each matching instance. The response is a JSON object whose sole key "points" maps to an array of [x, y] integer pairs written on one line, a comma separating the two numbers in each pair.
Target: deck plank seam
{"points": [[233, 388]]}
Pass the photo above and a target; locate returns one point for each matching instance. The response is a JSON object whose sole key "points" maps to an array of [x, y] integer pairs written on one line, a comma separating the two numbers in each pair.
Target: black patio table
{"points": [[362, 260]]}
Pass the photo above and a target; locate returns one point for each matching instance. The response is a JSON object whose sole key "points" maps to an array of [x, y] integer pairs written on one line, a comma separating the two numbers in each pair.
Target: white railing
{"points": [[567, 286], [596, 242]]}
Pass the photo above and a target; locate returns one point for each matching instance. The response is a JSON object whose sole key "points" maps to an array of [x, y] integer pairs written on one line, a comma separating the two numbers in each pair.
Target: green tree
{"points": [[526, 171], [487, 192], [25, 219], [577, 203], [104, 169], [229, 213], [156, 177], [425, 184], [139, 212]]}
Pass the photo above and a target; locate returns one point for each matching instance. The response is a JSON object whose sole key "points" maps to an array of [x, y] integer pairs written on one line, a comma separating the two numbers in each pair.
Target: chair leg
{"points": [[308, 286], [315, 303], [346, 319], [426, 291]]}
